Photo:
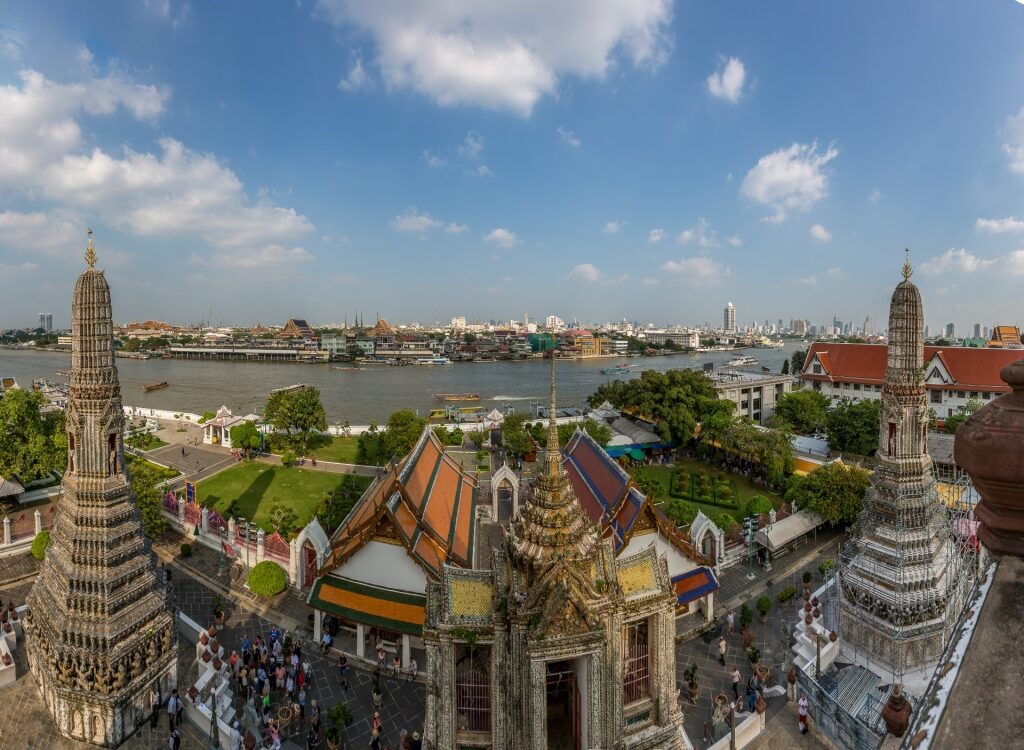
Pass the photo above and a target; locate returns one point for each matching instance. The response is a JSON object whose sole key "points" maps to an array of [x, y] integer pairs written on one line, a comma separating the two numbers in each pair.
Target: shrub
{"points": [[825, 567], [681, 512], [806, 577], [39, 545], [725, 521], [754, 654], [760, 504], [288, 458], [786, 594], [764, 604], [186, 550], [267, 579], [746, 616]]}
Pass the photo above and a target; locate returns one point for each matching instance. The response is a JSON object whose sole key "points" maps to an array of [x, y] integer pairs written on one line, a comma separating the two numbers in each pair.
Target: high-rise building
{"points": [[100, 633], [554, 323], [977, 331], [950, 330], [729, 319], [46, 321], [869, 326], [459, 322], [901, 586]]}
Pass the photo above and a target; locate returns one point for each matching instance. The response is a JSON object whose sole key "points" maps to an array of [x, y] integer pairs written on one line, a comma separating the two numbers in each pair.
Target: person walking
{"points": [[412, 670], [154, 702], [378, 723], [730, 620], [397, 664], [736, 682], [417, 743], [174, 740], [801, 713], [172, 709], [722, 648]]}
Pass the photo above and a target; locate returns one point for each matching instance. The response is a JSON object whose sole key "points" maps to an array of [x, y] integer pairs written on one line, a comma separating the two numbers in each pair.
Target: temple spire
{"points": [[90, 252], [907, 270], [553, 451]]}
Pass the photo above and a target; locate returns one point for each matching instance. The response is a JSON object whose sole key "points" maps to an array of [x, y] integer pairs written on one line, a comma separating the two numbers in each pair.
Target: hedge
{"points": [[39, 545], [267, 579], [702, 488]]}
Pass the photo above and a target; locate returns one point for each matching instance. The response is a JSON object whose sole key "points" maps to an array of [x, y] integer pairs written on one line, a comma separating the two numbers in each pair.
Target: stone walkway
{"points": [[773, 638]]}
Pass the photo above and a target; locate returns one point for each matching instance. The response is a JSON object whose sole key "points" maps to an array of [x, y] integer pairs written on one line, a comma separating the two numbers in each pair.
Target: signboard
{"points": [[190, 493]]}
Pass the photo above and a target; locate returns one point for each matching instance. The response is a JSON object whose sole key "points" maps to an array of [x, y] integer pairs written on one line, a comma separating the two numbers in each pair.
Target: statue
{"points": [[120, 678], [165, 640], [137, 663]]}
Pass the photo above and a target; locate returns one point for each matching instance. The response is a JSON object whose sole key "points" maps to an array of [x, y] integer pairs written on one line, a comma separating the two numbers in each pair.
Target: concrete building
{"points": [[729, 319], [684, 339], [755, 394], [953, 375], [46, 321]]}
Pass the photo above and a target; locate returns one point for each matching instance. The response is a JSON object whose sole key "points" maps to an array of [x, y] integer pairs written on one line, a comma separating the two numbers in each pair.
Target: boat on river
{"points": [[622, 367], [345, 369], [457, 396], [741, 362], [434, 361], [155, 386]]}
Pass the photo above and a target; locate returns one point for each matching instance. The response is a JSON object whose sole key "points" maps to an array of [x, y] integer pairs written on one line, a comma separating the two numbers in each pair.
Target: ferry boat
{"points": [[457, 396], [620, 368], [434, 361], [131, 355], [741, 362], [345, 369], [155, 386]]}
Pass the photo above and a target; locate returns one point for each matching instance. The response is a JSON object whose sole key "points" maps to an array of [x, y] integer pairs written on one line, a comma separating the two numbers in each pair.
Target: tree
{"points": [[785, 367], [514, 438], [299, 413], [853, 426], [835, 492], [797, 360], [804, 411], [960, 417], [760, 505], [32, 444], [601, 432], [147, 486], [400, 434], [246, 437], [675, 401]]}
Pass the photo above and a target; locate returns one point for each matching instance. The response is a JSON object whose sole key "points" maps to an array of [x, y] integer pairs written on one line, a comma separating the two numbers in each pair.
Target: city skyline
{"points": [[655, 162]]}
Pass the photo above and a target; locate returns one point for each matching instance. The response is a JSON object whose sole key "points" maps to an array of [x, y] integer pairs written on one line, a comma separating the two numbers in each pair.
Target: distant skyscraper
{"points": [[46, 321], [950, 330], [729, 319], [977, 330], [869, 326]]}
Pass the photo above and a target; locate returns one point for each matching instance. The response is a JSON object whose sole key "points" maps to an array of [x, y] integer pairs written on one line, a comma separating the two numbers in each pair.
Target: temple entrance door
{"points": [[504, 504], [309, 568], [562, 706]]}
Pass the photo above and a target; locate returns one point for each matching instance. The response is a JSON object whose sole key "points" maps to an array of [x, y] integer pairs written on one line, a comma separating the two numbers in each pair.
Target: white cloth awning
{"points": [[781, 533]]}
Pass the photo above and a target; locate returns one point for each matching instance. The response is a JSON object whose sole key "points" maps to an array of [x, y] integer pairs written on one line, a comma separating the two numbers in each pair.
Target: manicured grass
{"points": [[340, 449], [147, 442], [256, 490], [743, 488], [160, 473]]}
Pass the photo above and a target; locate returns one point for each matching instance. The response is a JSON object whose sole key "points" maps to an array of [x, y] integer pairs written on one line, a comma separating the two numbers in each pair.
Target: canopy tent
{"points": [[10, 488], [779, 534]]}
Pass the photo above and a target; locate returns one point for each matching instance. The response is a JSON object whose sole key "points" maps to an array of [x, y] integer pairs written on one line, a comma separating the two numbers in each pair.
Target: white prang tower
{"points": [[901, 584]]}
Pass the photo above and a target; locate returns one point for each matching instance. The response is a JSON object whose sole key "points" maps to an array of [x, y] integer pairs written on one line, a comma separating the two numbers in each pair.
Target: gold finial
{"points": [[907, 270], [90, 252], [553, 453]]}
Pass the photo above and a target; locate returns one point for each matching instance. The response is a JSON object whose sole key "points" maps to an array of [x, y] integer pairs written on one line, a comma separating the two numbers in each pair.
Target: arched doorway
{"points": [[309, 566]]}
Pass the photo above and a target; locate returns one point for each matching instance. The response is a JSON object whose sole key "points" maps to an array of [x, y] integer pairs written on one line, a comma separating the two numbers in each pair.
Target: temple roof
{"points": [[428, 500]]}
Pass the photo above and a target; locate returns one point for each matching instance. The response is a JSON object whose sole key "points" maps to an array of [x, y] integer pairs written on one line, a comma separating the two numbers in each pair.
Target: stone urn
{"points": [[833, 636], [761, 706], [204, 638], [808, 619], [814, 602], [990, 447], [807, 607], [763, 673], [791, 674], [217, 664], [816, 613], [206, 656], [248, 742], [896, 713], [212, 631], [8, 627], [7, 659]]}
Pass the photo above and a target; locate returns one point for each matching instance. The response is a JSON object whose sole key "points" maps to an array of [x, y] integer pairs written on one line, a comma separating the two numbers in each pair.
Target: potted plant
{"points": [[806, 578], [340, 717], [218, 609], [763, 673], [690, 676], [764, 605], [746, 616], [378, 696], [754, 654], [748, 636]]}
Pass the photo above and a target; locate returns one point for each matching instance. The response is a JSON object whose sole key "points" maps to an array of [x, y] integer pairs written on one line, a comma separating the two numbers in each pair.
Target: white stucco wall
{"points": [[677, 561], [387, 565]]}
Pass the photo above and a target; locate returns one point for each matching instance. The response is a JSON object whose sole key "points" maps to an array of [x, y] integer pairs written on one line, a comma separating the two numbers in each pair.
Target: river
{"points": [[371, 393]]}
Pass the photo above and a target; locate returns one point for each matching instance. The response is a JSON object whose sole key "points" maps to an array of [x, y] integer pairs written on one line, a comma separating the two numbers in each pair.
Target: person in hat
{"points": [[416, 743]]}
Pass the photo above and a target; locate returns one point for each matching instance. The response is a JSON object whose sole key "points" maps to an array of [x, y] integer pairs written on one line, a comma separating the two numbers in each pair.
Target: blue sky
{"points": [[596, 159]]}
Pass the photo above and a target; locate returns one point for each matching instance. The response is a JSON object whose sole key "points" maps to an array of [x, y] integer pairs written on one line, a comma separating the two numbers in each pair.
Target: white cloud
{"points": [[454, 228], [697, 269], [8, 270], [253, 259], [1000, 226], [52, 233], [356, 78], [789, 179], [962, 261], [503, 55], [656, 235], [821, 234], [650, 282], [12, 44], [174, 192], [502, 238], [808, 280], [1014, 146], [471, 146], [835, 273], [482, 171], [432, 159], [703, 235], [568, 137], [413, 221], [727, 80], [613, 227], [735, 240], [875, 195], [585, 272]]}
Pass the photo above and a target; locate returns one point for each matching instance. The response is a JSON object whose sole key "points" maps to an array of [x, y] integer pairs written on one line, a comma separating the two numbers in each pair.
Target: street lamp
{"points": [[247, 550]]}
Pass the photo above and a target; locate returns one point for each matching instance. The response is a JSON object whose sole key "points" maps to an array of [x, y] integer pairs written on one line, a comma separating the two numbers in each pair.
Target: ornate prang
{"points": [[907, 270], [90, 252], [99, 631]]}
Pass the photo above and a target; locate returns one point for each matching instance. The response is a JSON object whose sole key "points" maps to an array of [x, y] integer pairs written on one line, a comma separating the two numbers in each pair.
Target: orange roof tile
{"points": [[418, 483], [462, 539]]}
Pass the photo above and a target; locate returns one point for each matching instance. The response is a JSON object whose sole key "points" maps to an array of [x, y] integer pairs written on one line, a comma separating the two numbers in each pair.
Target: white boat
{"points": [[741, 362], [434, 361], [7, 383]]}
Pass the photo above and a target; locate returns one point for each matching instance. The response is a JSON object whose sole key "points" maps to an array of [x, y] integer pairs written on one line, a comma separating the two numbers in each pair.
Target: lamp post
{"points": [[732, 726], [214, 729], [247, 550]]}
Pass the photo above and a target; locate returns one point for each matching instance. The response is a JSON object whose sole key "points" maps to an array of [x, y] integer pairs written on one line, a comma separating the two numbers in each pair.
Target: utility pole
{"points": [[751, 522]]}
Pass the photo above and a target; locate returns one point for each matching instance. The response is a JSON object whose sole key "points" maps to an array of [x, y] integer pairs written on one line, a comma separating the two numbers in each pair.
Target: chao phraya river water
{"points": [[371, 393]]}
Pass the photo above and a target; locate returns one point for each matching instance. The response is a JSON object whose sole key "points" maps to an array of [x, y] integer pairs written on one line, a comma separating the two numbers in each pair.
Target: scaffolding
{"points": [[905, 576]]}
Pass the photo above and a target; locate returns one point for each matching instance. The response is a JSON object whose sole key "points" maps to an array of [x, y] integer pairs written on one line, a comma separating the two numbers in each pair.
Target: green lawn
{"points": [[743, 488], [343, 450], [160, 473], [264, 493], [146, 442]]}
